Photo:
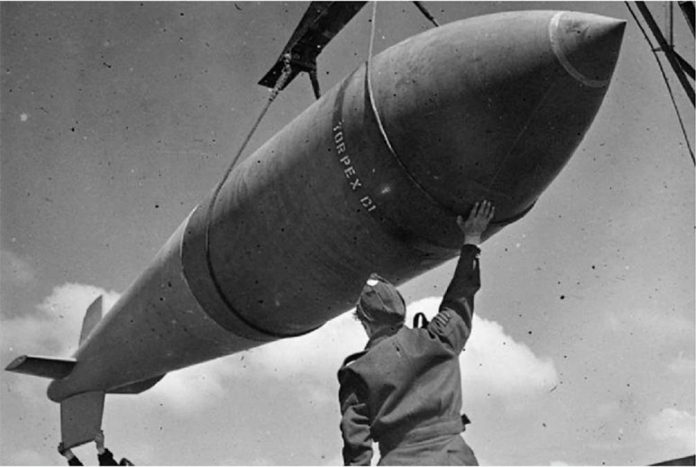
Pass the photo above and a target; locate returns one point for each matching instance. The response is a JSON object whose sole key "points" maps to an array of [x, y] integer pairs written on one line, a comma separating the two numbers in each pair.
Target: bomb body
{"points": [[369, 178]]}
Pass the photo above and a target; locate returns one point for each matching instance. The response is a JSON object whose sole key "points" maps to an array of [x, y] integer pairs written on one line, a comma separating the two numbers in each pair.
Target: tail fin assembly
{"points": [[92, 317], [81, 414], [81, 418], [57, 368]]}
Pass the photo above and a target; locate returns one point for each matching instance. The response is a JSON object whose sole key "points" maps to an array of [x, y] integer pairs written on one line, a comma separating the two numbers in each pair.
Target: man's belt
{"points": [[449, 426]]}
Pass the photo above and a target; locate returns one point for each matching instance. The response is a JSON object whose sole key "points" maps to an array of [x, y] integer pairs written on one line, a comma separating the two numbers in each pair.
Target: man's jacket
{"points": [[405, 387], [107, 458]]}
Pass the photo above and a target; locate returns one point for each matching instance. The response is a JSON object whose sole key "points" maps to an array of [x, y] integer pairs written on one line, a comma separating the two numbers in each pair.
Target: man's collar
{"points": [[382, 334]]}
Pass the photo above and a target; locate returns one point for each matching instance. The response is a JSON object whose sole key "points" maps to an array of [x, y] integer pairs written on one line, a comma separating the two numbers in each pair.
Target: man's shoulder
{"points": [[351, 359], [349, 371], [363, 361], [376, 354], [412, 341]]}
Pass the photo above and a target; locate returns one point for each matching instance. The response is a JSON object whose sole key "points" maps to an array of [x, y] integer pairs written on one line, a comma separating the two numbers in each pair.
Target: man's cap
{"points": [[380, 302]]}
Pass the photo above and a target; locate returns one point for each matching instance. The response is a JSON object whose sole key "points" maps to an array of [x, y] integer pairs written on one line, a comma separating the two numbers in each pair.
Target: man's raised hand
{"points": [[477, 222]]}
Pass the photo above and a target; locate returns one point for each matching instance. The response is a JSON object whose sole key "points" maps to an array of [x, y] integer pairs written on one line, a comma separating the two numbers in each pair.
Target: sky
{"points": [[116, 119]]}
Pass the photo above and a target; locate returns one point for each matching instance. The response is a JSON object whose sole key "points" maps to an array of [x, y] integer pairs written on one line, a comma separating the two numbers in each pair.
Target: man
{"points": [[404, 390], [105, 456]]}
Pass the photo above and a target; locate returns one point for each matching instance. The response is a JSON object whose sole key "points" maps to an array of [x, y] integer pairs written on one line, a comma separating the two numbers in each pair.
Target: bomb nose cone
{"points": [[587, 45]]}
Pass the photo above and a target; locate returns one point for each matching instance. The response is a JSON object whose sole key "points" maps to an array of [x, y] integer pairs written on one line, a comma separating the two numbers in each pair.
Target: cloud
{"points": [[314, 354], [310, 362], [194, 389], [54, 329], [674, 428], [492, 364]]}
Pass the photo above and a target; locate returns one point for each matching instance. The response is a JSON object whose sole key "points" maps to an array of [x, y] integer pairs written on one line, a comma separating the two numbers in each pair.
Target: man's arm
{"points": [[68, 454], [459, 297], [355, 422], [105, 456]]}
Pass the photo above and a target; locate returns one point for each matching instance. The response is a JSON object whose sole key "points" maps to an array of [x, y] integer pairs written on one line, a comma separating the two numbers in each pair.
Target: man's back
{"points": [[412, 385], [404, 390]]}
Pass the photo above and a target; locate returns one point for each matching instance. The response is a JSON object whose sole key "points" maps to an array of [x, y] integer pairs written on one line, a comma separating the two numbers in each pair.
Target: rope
{"points": [[426, 13], [315, 82], [273, 94], [669, 53], [664, 77], [287, 70]]}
